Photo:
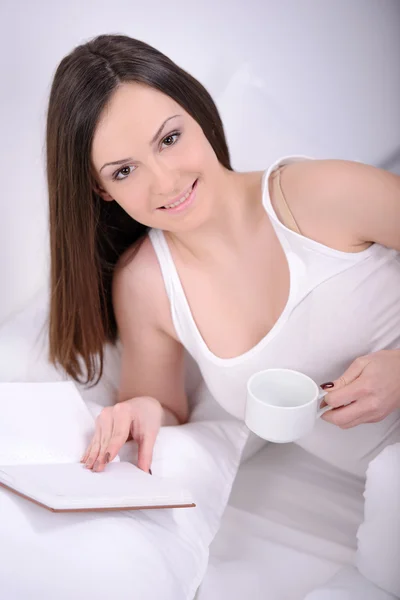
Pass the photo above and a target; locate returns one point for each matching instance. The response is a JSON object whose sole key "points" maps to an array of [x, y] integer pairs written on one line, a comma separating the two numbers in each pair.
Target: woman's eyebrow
{"points": [[159, 130], [153, 139]]}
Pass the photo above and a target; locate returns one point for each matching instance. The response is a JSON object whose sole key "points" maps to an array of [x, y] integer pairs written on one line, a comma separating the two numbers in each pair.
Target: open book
{"points": [[44, 430]]}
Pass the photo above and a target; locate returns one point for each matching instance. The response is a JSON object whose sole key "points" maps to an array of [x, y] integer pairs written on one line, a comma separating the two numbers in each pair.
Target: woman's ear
{"points": [[102, 193]]}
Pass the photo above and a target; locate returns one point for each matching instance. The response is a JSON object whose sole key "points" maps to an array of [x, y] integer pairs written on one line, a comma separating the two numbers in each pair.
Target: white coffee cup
{"points": [[282, 404]]}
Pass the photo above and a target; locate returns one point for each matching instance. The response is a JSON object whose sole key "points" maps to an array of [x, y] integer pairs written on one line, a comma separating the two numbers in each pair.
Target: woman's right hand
{"points": [[139, 417]]}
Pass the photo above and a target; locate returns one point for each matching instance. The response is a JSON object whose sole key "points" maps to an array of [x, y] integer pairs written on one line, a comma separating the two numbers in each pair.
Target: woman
{"points": [[157, 240]]}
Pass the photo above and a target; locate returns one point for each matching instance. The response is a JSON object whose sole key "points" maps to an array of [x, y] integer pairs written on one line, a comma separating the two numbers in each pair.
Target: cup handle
{"points": [[322, 411]]}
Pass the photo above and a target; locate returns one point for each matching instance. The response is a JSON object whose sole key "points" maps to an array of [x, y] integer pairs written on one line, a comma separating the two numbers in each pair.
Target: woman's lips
{"points": [[185, 204]]}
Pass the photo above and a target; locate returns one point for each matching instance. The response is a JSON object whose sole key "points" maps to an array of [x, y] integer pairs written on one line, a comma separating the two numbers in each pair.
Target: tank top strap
{"points": [[266, 199], [288, 216], [293, 237], [165, 261], [180, 311], [313, 262]]}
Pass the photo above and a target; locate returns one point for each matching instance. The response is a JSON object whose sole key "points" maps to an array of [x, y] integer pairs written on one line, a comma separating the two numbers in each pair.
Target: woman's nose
{"points": [[164, 182]]}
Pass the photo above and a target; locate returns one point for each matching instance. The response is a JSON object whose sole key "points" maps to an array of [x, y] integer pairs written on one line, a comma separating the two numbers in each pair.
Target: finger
{"points": [[352, 373], [106, 432], [145, 450], [94, 449], [346, 414], [88, 448], [86, 454], [354, 423], [120, 433], [336, 397], [346, 395]]}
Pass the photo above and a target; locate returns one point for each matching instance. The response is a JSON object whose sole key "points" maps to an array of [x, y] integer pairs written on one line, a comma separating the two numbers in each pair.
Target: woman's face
{"points": [[161, 153]]}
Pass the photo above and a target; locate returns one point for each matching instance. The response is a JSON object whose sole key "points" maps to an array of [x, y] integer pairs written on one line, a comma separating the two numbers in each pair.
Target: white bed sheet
{"points": [[290, 526]]}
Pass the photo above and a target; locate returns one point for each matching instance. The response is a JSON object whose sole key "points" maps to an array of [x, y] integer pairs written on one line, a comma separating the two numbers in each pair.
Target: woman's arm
{"points": [[152, 360], [376, 196], [151, 390], [348, 206]]}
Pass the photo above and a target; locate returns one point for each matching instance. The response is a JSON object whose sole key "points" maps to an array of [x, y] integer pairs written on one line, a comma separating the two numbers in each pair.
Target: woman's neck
{"points": [[233, 219]]}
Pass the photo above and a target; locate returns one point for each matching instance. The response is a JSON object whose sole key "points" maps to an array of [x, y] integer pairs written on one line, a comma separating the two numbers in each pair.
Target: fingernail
{"points": [[150, 472], [107, 457], [328, 385], [96, 465]]}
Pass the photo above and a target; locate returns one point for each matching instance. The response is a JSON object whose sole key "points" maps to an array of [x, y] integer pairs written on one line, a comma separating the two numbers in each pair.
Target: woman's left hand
{"points": [[367, 392]]}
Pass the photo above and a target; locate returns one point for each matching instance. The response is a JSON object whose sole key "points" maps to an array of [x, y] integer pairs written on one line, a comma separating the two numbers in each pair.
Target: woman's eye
{"points": [[171, 139], [122, 173]]}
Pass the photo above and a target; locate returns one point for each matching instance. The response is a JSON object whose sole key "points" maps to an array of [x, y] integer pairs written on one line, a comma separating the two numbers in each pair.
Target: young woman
{"points": [[155, 239]]}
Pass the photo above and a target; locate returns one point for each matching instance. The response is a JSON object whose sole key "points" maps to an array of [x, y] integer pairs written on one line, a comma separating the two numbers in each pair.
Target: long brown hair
{"points": [[87, 234]]}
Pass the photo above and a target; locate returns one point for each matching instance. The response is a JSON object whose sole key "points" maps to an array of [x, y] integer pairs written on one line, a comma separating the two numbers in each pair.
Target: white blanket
{"points": [[290, 525], [144, 554]]}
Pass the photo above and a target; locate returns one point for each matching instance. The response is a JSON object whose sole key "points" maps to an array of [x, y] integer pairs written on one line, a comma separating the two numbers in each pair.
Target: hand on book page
{"points": [[140, 418]]}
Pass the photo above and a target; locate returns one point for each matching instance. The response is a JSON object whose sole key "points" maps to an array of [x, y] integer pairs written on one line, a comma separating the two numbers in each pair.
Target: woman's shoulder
{"points": [[333, 178], [343, 204], [139, 295], [138, 285], [137, 268]]}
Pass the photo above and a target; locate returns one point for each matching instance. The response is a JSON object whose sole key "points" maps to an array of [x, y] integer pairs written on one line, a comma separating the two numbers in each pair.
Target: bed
{"points": [[273, 521]]}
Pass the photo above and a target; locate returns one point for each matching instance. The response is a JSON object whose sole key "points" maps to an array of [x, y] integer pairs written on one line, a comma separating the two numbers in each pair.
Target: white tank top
{"points": [[341, 305]]}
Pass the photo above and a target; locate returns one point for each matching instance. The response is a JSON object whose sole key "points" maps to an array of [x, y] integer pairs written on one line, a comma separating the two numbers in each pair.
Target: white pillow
{"points": [[24, 352], [144, 554], [349, 584], [378, 552]]}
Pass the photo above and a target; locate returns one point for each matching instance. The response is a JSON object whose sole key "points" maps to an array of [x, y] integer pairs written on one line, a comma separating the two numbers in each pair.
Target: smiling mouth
{"points": [[180, 201]]}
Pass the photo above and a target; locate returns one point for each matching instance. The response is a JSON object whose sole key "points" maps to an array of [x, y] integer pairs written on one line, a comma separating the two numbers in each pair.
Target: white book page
{"points": [[43, 423], [72, 486]]}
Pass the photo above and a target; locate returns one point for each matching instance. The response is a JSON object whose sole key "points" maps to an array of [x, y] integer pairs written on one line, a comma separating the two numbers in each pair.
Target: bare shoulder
{"points": [[344, 204], [137, 269], [335, 178], [138, 287]]}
